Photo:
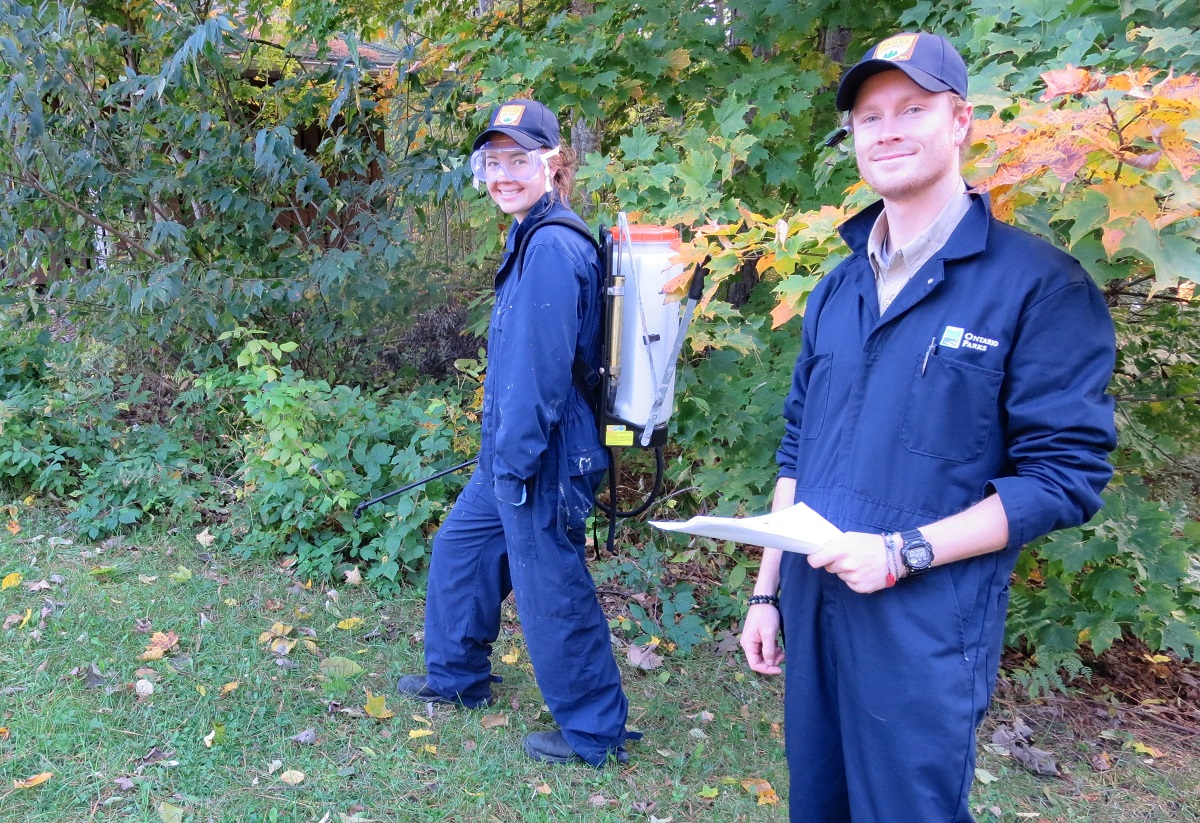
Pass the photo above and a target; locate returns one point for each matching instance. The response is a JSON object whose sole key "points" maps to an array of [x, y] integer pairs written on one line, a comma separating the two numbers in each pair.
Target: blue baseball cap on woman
{"points": [[928, 60], [528, 122]]}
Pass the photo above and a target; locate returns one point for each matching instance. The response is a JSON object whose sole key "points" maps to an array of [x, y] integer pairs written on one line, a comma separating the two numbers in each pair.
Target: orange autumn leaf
{"points": [[1126, 200], [30, 782], [761, 790], [161, 643], [14, 527], [1070, 80]]}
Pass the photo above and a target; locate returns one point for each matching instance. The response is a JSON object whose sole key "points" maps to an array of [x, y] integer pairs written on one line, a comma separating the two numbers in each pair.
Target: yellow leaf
{"points": [[229, 687], [276, 630], [28, 617], [375, 707], [182, 575], [292, 777], [203, 691], [11, 580], [709, 792], [30, 782], [413, 734], [161, 643], [512, 657], [429, 748], [1157, 658], [350, 623], [422, 719], [762, 790], [3, 733], [230, 602], [340, 667], [1142, 748], [168, 813]]}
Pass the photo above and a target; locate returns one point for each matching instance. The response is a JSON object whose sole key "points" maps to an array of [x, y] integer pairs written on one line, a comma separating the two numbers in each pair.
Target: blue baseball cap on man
{"points": [[528, 122], [928, 60]]}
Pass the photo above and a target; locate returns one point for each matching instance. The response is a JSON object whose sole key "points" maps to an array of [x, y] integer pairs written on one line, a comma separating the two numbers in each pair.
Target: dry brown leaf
{"points": [[292, 777], [544, 789], [306, 738], [353, 576], [643, 657], [205, 538], [161, 643], [39, 586], [493, 721]]}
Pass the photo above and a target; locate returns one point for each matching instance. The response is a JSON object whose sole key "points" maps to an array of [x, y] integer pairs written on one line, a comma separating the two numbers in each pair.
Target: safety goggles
{"points": [[488, 165]]}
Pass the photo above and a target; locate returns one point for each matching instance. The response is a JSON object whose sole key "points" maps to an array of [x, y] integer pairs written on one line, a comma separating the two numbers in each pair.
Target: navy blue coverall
{"points": [[987, 375], [519, 525]]}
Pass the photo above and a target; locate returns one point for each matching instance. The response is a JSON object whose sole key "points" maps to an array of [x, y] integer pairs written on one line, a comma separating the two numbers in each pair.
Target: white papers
{"points": [[794, 529]]}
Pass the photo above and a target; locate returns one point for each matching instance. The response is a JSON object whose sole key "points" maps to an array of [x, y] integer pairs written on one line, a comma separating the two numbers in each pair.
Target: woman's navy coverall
{"points": [[520, 523], [986, 375]]}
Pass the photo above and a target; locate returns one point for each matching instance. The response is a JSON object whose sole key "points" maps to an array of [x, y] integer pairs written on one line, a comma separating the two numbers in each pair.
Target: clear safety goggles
{"points": [[488, 165]]}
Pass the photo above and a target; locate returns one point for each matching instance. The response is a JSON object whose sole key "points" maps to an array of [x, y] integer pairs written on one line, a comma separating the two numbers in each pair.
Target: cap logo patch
{"points": [[897, 48], [509, 115]]}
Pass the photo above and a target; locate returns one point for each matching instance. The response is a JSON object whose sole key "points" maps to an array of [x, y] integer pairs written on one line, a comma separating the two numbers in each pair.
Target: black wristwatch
{"points": [[916, 552]]}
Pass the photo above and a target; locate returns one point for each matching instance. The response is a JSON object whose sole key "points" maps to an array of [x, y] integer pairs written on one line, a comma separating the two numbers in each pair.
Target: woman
{"points": [[519, 524]]}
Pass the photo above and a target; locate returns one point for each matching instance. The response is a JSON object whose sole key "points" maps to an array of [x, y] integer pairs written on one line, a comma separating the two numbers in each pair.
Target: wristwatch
{"points": [[916, 552]]}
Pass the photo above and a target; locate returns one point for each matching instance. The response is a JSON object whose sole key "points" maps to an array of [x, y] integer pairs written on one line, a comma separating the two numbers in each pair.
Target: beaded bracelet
{"points": [[765, 599]]}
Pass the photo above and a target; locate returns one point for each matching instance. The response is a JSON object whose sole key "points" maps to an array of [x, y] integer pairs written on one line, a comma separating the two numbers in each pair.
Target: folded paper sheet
{"points": [[794, 529]]}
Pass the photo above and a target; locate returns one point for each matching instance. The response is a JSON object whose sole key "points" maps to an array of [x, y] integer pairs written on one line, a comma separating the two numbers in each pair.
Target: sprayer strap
{"points": [[585, 378]]}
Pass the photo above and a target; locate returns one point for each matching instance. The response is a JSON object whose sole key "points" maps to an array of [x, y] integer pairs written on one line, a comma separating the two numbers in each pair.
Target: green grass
{"points": [[708, 723]]}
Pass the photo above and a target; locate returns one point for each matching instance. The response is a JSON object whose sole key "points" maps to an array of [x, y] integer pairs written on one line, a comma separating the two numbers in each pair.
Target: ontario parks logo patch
{"points": [[895, 49], [509, 115], [956, 337]]}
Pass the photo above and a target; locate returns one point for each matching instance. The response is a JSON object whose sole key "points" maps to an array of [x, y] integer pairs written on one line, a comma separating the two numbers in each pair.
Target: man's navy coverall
{"points": [[987, 375]]}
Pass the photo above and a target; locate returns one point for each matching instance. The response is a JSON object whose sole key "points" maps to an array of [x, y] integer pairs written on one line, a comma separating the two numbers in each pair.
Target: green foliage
{"points": [[311, 451]]}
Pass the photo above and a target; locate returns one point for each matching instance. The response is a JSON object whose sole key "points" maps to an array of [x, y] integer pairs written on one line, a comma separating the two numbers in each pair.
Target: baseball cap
{"points": [[528, 122], [928, 60]]}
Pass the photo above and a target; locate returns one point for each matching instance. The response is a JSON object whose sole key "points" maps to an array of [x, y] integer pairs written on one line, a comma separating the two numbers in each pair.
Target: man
{"points": [[948, 406]]}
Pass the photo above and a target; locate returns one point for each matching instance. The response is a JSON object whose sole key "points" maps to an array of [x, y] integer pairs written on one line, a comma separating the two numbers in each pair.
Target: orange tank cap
{"points": [[649, 234]]}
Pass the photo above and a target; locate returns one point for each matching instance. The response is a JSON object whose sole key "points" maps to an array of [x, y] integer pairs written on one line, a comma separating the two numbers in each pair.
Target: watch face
{"points": [[918, 556]]}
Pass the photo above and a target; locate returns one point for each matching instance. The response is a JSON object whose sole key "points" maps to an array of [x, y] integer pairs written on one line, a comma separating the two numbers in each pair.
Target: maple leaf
{"points": [[644, 657], [353, 576], [182, 575], [30, 782], [760, 789], [1070, 80], [376, 707], [170, 813], [205, 539], [161, 643]]}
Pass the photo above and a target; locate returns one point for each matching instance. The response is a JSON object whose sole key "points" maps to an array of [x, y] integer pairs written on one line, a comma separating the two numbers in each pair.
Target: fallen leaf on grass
{"points": [[14, 619], [413, 734], [1101, 762], [125, 784], [205, 538], [543, 789], [147, 579], [292, 777], [182, 575], [512, 657], [11, 581], [229, 687], [143, 688], [14, 527], [306, 738], [643, 657], [709, 792], [170, 813], [4, 733], [30, 782], [376, 707], [353, 577], [493, 721], [984, 777], [1142, 748], [761, 790], [350, 623], [342, 667], [161, 643], [39, 586]]}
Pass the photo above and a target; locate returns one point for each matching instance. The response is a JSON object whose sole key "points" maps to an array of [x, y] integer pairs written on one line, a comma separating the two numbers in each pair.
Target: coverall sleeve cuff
{"points": [[1016, 499], [509, 489]]}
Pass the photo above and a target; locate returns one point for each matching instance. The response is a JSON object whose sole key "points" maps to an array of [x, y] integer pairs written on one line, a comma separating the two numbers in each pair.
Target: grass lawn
{"points": [[222, 728]]}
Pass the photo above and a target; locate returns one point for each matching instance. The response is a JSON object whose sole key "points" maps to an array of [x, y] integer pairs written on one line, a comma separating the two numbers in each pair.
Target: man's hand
{"points": [[858, 558], [760, 639]]}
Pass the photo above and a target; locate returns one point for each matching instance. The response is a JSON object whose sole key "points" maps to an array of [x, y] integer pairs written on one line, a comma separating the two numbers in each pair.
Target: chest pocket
{"points": [[952, 409]]}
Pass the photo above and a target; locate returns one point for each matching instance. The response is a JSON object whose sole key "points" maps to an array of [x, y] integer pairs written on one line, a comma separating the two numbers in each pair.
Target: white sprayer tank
{"points": [[651, 323]]}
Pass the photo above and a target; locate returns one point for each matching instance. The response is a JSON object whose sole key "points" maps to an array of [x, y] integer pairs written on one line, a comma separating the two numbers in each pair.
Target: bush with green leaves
{"points": [[311, 452]]}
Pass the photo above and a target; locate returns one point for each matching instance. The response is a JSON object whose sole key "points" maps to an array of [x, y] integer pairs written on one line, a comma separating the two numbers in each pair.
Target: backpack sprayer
{"points": [[632, 393]]}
